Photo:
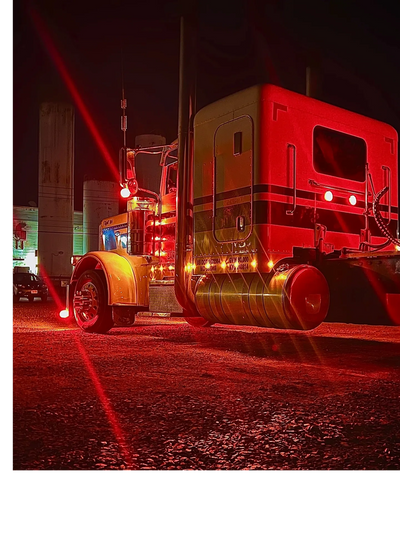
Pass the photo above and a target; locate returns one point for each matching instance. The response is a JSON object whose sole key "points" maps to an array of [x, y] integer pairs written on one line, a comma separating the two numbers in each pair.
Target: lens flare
{"points": [[72, 88]]}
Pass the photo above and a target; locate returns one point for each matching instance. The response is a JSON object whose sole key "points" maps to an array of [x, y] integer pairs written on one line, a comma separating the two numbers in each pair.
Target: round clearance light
{"points": [[270, 264], [328, 196], [352, 200], [64, 313], [125, 193]]}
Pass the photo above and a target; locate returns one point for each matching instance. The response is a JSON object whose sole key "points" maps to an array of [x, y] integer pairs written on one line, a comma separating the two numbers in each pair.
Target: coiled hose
{"points": [[379, 220]]}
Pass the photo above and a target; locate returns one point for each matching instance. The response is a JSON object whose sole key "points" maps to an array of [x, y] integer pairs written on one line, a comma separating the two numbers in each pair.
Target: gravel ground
{"points": [[162, 395]]}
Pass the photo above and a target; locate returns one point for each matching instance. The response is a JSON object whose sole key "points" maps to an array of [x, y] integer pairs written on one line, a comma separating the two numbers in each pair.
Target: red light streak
{"points": [[112, 419], [59, 63], [50, 286], [109, 411]]}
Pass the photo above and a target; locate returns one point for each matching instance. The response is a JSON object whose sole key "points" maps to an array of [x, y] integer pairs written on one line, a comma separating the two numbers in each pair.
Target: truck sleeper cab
{"points": [[281, 182]]}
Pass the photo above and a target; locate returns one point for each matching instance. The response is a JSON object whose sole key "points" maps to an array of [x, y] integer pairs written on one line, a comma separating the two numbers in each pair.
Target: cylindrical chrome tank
{"points": [[56, 189], [142, 232], [100, 200], [297, 298]]}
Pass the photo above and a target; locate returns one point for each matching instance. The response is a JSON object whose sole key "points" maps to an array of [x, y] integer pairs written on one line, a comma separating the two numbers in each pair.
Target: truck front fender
{"points": [[121, 278]]}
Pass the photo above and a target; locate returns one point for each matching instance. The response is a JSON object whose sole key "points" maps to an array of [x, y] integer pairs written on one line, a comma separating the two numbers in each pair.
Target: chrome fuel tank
{"points": [[297, 298]]}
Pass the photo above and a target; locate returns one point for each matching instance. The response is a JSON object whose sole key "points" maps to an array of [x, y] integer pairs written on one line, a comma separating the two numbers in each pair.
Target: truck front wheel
{"points": [[91, 311]]}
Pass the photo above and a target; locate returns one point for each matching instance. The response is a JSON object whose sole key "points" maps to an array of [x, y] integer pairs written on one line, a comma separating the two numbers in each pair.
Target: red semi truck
{"points": [[274, 209]]}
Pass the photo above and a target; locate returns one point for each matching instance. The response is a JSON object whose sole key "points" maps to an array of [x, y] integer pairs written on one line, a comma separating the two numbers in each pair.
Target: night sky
{"points": [[355, 46]]}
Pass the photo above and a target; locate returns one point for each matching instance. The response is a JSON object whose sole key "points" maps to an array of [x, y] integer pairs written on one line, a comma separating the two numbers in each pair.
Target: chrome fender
{"points": [[126, 276]]}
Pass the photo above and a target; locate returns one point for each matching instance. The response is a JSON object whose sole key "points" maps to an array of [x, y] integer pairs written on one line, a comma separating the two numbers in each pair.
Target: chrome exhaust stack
{"points": [[184, 204]]}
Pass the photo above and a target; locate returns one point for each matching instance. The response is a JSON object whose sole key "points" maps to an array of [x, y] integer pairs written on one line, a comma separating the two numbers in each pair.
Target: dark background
{"points": [[354, 46]]}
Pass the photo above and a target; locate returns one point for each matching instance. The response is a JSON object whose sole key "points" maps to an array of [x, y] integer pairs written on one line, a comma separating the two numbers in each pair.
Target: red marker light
{"points": [[64, 313], [328, 196]]}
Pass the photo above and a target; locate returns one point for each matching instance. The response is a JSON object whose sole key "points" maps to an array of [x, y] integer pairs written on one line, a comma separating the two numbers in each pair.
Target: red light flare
{"points": [[50, 286], [59, 63], [109, 411]]}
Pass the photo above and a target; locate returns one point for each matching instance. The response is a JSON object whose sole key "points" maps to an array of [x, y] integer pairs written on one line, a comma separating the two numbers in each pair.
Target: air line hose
{"points": [[379, 220]]}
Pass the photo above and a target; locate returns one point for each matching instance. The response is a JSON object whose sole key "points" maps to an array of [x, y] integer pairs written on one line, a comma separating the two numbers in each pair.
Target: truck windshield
{"points": [[172, 178]]}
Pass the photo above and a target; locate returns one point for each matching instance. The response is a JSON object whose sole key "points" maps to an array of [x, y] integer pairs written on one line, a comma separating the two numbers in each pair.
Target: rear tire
{"points": [[31, 298], [91, 311], [44, 298]]}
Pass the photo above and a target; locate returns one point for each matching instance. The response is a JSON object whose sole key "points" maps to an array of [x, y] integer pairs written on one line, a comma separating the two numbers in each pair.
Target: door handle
{"points": [[291, 164]]}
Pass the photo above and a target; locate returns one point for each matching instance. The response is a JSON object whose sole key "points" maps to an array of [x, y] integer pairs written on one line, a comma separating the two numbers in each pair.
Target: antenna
{"points": [[124, 127], [124, 118]]}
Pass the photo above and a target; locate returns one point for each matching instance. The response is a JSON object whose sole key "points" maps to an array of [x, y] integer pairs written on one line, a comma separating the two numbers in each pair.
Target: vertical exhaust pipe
{"points": [[184, 202], [313, 76]]}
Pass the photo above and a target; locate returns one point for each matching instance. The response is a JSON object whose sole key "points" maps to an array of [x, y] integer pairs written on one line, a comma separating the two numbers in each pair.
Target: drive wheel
{"points": [[91, 311]]}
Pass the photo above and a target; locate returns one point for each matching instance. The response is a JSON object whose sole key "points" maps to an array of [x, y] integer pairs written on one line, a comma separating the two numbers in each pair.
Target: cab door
{"points": [[233, 180]]}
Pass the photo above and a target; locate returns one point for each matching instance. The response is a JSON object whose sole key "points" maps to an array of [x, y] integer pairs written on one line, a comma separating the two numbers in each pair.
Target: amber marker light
{"points": [[236, 264], [328, 196], [270, 264], [397, 247], [254, 263], [64, 313], [208, 265], [223, 264]]}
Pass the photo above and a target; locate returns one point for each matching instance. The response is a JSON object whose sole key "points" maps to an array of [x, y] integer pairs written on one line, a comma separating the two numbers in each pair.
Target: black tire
{"points": [[91, 311], [44, 298], [31, 298]]}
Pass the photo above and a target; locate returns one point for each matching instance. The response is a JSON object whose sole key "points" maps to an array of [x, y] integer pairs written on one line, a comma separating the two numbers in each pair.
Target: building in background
{"points": [[56, 190], [46, 237], [100, 200], [25, 236]]}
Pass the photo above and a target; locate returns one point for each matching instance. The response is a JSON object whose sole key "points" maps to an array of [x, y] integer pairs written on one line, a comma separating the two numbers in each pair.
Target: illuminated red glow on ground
{"points": [[109, 411], [164, 395]]}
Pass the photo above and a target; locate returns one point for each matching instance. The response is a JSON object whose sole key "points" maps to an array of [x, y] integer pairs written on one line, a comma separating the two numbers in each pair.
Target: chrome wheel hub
{"points": [[86, 301]]}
